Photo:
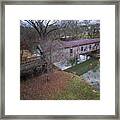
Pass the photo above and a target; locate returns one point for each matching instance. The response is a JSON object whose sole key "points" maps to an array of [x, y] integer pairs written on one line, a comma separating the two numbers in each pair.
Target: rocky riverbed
{"points": [[93, 77]]}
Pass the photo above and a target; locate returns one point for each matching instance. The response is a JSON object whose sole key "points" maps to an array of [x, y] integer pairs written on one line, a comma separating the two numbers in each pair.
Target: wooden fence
{"points": [[32, 65]]}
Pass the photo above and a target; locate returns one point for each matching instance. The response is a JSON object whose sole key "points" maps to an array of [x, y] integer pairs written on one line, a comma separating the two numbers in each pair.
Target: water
{"points": [[62, 66], [65, 65], [93, 77]]}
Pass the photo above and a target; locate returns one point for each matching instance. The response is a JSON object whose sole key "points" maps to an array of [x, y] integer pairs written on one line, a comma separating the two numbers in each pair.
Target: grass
{"points": [[78, 89], [62, 85], [84, 67]]}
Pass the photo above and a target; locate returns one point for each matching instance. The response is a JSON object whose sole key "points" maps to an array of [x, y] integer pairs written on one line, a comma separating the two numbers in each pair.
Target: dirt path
{"points": [[39, 88]]}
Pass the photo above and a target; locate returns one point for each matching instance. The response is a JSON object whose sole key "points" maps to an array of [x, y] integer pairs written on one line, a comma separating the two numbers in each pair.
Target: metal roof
{"points": [[80, 42]]}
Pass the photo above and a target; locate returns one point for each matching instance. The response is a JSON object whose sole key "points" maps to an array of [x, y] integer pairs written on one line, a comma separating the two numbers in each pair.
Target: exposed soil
{"points": [[44, 87]]}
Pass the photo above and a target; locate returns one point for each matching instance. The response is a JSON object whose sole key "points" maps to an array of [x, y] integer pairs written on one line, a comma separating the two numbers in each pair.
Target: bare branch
{"points": [[51, 30], [34, 26], [46, 27]]}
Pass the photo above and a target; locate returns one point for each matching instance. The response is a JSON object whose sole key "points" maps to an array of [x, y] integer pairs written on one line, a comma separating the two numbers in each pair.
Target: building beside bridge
{"points": [[75, 48]]}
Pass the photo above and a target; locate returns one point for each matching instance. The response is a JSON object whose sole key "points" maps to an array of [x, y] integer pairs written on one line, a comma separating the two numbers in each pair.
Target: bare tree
{"points": [[45, 30]]}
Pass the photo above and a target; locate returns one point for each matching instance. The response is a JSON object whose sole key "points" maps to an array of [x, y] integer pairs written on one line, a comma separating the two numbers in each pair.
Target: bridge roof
{"points": [[80, 42]]}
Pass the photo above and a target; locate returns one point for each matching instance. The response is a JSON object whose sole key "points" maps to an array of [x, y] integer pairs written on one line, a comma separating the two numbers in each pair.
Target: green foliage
{"points": [[96, 67], [72, 61], [87, 36], [78, 89], [84, 67]]}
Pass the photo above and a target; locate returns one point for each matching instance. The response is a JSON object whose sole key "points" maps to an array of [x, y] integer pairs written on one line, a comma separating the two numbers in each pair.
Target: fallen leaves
{"points": [[44, 87]]}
